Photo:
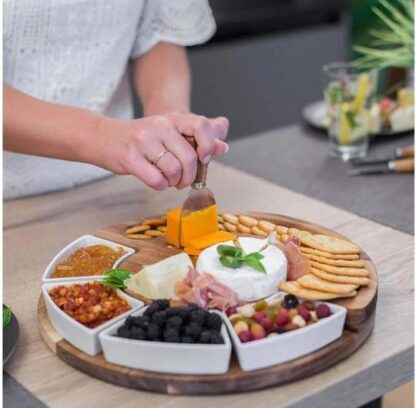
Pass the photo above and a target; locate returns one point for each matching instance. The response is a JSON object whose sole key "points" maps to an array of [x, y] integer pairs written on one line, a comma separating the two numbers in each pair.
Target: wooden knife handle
{"points": [[406, 152], [201, 169], [403, 165]]}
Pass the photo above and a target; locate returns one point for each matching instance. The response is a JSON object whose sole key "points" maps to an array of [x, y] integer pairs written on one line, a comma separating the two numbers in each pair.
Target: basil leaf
{"points": [[228, 250], [7, 316], [255, 264], [115, 278], [255, 255], [231, 262]]}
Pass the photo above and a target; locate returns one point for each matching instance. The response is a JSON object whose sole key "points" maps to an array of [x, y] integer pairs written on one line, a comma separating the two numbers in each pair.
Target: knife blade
{"points": [[199, 197], [399, 153], [392, 166]]}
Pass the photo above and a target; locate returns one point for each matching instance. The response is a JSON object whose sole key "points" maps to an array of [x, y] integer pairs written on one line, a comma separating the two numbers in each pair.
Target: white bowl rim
{"points": [[160, 344], [339, 310], [134, 308], [49, 268]]}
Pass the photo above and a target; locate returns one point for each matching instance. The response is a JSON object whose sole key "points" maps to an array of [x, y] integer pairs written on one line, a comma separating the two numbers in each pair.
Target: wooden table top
{"points": [[35, 229]]}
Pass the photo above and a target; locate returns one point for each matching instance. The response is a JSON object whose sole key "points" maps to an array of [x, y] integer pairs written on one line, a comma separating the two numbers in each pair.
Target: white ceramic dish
{"points": [[174, 358], [74, 332], [85, 240], [288, 346]]}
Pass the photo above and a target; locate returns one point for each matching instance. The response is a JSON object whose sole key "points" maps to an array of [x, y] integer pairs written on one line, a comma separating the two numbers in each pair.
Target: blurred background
{"points": [[264, 64]]}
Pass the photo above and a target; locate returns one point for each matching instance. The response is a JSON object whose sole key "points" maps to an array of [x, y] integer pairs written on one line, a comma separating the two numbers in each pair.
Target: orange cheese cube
{"points": [[194, 225]]}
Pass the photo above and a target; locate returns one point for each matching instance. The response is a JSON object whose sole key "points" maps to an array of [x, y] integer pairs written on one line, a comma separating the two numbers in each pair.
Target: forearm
{"points": [[162, 80], [45, 129]]}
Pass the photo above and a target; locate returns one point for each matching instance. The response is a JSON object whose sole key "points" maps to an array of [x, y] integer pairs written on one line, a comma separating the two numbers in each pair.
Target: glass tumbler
{"points": [[349, 95]]}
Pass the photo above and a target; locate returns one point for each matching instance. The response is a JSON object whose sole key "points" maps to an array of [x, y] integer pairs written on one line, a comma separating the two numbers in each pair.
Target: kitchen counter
{"points": [[35, 229]]}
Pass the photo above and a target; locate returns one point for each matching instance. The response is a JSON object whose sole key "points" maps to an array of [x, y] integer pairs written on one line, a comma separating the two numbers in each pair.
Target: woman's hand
{"points": [[136, 146]]}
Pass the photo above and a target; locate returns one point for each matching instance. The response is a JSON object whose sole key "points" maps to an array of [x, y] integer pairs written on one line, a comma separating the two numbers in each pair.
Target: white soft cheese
{"points": [[248, 283]]}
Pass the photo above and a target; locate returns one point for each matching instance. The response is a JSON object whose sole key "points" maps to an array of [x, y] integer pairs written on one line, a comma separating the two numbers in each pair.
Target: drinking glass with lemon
{"points": [[349, 96]]}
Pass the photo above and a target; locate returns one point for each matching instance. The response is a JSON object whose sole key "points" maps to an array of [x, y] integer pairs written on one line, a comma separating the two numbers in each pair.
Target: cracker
{"points": [[295, 289], [247, 221], [338, 270], [266, 226], [230, 218], [311, 281], [162, 228], [138, 236], [259, 232], [329, 244], [324, 254], [221, 227], [137, 228], [331, 277], [293, 231], [281, 229], [154, 222], [220, 219], [244, 229], [154, 233], [284, 238], [358, 263], [230, 227]]}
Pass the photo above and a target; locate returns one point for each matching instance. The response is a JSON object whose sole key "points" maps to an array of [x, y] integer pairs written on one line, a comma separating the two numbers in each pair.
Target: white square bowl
{"points": [[173, 358], [77, 334], [288, 346], [84, 241]]}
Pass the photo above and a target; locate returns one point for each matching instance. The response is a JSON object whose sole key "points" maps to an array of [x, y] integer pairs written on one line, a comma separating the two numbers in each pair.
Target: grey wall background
{"points": [[263, 82]]}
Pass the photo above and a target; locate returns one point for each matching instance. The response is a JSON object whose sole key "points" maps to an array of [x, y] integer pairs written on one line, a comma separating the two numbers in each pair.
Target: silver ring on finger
{"points": [[158, 157]]}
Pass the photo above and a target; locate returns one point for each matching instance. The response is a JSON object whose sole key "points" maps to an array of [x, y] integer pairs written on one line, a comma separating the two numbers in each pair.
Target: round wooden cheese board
{"points": [[359, 323]]}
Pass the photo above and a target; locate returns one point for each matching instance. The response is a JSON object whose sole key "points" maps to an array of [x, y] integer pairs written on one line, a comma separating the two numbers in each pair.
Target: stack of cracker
{"points": [[336, 269], [147, 229]]}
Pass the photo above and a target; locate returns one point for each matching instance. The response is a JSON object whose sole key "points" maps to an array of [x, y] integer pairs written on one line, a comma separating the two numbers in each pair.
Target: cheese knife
{"points": [[392, 166], [399, 153], [199, 197]]}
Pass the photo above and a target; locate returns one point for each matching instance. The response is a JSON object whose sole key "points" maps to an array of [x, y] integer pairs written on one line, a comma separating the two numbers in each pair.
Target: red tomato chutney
{"points": [[90, 304]]}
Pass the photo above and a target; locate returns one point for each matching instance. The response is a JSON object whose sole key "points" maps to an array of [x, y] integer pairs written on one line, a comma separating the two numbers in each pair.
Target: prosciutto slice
{"points": [[205, 291], [297, 263]]}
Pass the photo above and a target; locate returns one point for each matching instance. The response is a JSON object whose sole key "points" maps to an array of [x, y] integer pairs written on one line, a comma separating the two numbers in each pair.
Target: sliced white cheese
{"points": [[157, 281], [248, 283]]}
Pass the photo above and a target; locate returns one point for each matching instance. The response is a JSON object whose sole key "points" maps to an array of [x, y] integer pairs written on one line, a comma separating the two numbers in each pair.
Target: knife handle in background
{"points": [[201, 169], [402, 166], [405, 152]]}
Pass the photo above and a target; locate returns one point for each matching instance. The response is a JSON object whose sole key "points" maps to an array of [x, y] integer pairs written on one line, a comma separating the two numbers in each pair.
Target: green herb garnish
{"points": [[352, 121], [115, 278], [234, 257], [7, 316]]}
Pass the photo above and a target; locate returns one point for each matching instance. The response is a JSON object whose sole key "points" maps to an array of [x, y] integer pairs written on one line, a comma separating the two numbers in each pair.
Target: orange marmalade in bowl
{"points": [[88, 261]]}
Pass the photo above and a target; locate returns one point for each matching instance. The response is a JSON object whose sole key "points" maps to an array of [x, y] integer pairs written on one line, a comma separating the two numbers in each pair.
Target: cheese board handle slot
{"points": [[201, 169]]}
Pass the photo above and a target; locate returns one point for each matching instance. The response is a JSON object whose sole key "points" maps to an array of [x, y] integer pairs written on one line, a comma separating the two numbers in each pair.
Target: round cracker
{"points": [[154, 222], [311, 281], [137, 228], [230, 227], [324, 254], [295, 289], [153, 233], [330, 244], [244, 229], [138, 236], [331, 277], [281, 229], [247, 221], [266, 226], [339, 270], [358, 263], [230, 218], [259, 232]]}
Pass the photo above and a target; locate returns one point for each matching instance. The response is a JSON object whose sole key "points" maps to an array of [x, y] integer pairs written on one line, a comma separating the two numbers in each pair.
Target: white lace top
{"points": [[75, 52]]}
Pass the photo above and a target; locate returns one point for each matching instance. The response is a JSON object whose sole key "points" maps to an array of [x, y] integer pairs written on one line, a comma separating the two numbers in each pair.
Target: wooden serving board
{"points": [[359, 323]]}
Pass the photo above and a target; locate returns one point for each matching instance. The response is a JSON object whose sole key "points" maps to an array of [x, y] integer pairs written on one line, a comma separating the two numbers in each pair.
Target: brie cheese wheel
{"points": [[157, 281], [248, 283]]}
